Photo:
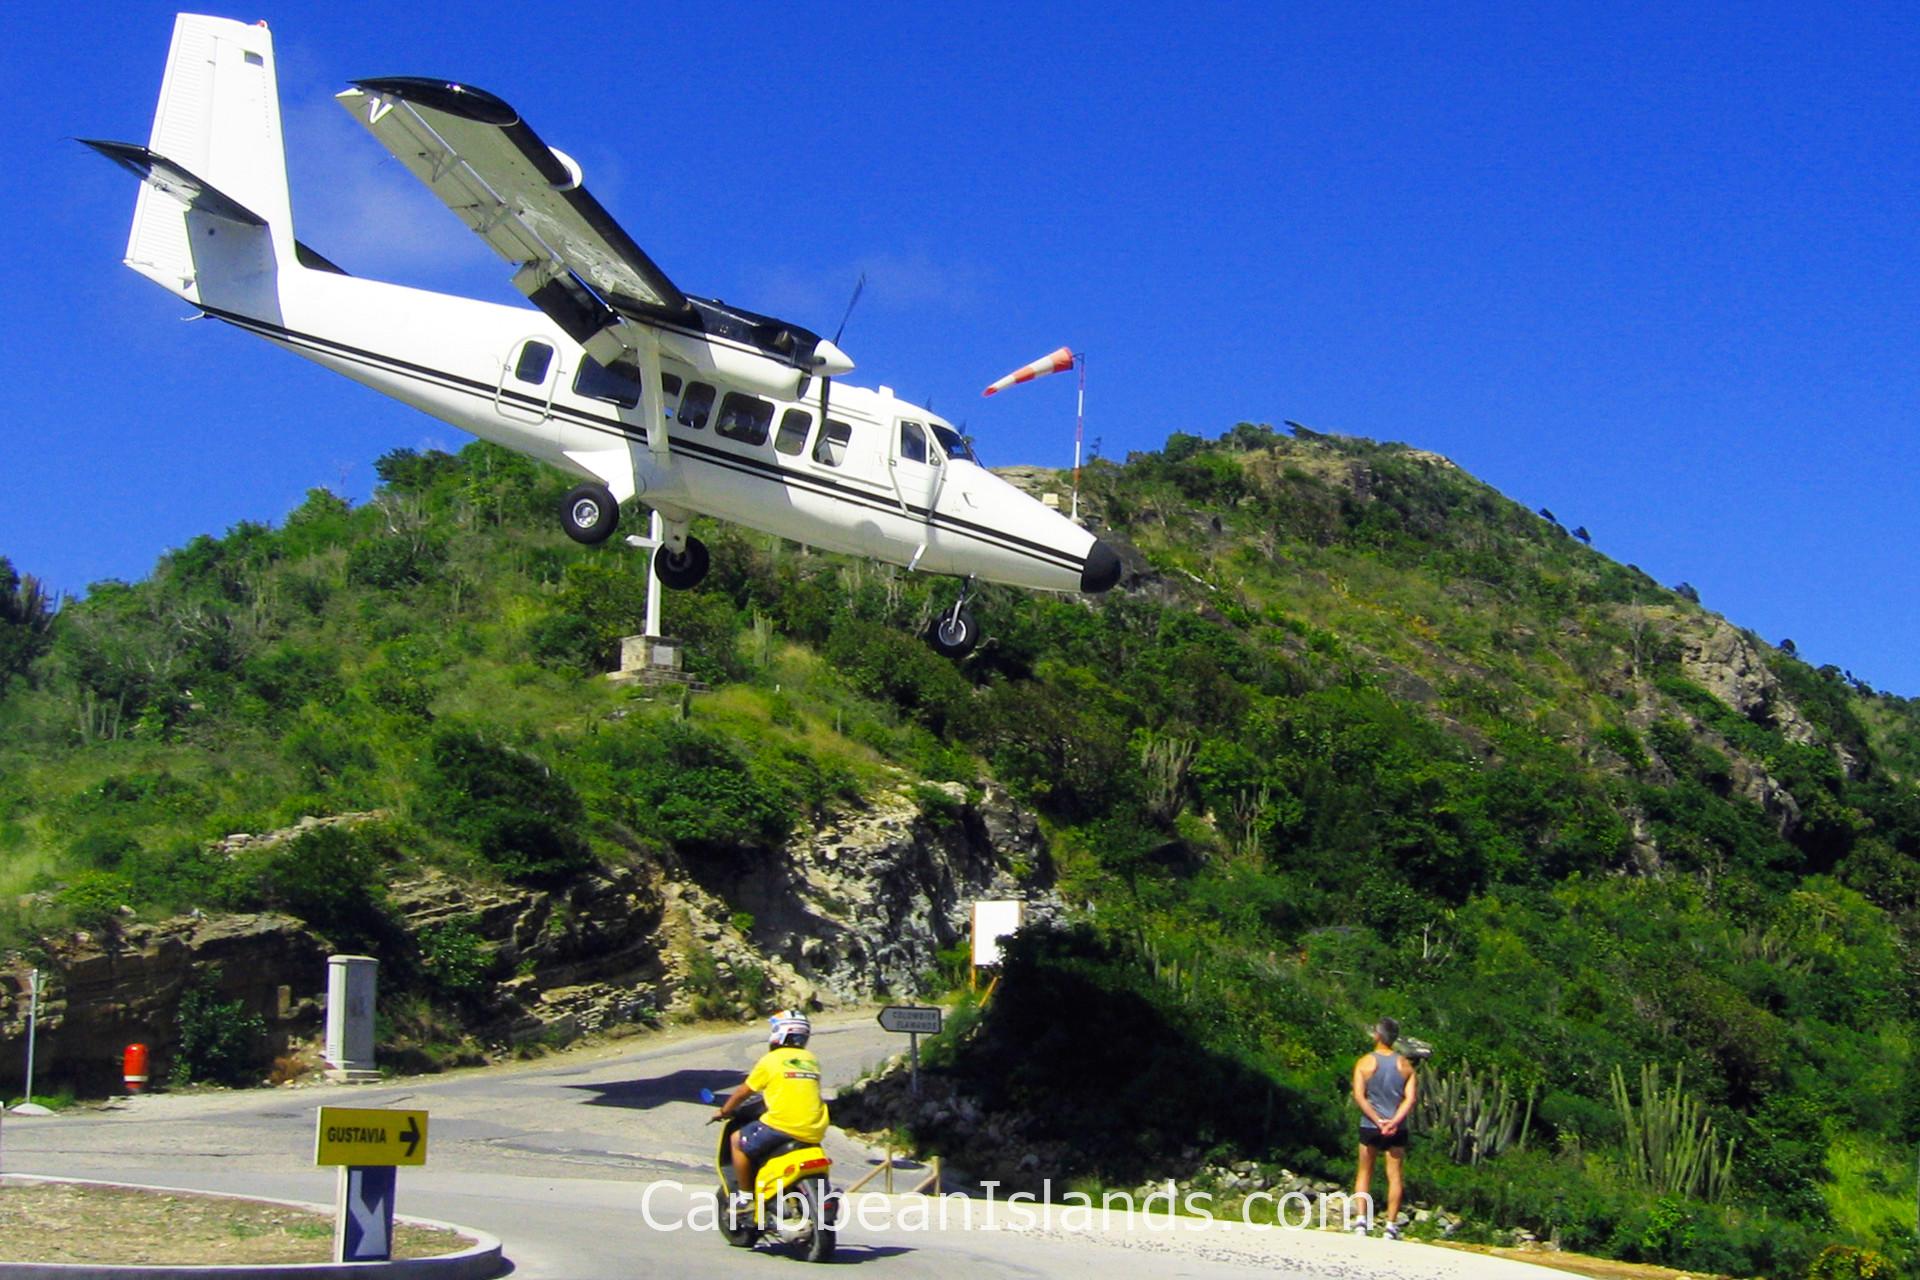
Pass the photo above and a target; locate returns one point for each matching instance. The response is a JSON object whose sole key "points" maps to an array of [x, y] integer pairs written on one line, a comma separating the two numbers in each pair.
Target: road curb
{"points": [[484, 1260]]}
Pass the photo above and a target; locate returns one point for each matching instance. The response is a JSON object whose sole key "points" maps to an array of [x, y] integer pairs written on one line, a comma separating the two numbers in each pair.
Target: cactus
{"points": [[1478, 1114], [1671, 1148]]}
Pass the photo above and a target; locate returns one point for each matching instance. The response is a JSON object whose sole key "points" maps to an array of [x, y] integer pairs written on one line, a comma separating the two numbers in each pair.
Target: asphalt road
{"points": [[585, 1163]]}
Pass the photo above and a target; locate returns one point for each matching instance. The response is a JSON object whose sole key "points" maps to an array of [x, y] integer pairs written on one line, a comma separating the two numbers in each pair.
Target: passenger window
{"points": [[913, 442], [832, 445], [534, 360], [744, 418], [669, 394], [597, 382], [792, 437], [695, 405]]}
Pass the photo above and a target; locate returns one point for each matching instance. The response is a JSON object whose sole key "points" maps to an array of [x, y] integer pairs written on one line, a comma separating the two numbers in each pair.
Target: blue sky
{"points": [[1653, 267]]}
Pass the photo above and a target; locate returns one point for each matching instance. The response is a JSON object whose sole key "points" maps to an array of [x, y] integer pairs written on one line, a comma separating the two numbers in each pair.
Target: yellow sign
{"points": [[362, 1136]]}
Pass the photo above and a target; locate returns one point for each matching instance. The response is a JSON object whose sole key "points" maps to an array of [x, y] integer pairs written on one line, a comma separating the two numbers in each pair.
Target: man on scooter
{"points": [[788, 1078]]}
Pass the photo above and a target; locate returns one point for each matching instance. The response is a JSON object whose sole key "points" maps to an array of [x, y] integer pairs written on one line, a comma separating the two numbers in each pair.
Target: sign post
{"points": [[915, 1021], [366, 1144], [33, 1019]]}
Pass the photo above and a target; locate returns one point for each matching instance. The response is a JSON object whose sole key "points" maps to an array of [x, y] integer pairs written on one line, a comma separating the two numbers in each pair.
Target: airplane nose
{"points": [[1102, 569]]}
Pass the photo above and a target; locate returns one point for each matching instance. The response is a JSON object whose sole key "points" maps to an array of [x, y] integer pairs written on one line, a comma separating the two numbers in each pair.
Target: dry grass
{"points": [[72, 1222]]}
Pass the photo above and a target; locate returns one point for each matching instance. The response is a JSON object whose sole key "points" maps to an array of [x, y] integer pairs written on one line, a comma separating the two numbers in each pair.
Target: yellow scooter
{"points": [[793, 1202]]}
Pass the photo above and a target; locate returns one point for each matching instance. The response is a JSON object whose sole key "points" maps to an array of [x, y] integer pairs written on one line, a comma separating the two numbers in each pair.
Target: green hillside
{"points": [[1357, 735]]}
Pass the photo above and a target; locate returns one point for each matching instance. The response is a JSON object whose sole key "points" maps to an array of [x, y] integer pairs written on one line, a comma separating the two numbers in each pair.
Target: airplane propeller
{"points": [[826, 383]]}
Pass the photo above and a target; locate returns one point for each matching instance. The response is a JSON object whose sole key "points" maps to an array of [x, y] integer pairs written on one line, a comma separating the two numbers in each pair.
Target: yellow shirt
{"points": [[789, 1079]]}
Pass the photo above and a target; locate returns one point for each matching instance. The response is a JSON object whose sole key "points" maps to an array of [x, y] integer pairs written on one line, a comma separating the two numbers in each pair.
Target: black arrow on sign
{"points": [[411, 1135]]}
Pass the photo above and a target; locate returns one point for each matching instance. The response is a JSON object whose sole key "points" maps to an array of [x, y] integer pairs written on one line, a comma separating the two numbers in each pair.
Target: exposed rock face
{"points": [[100, 993], [858, 906], [864, 902], [584, 956], [1721, 660]]}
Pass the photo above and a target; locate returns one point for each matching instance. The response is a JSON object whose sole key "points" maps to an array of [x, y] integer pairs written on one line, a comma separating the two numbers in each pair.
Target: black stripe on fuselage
{"points": [[757, 467]]}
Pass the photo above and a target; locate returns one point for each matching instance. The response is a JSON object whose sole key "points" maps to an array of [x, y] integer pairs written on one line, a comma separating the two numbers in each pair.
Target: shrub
{"points": [[883, 662], [392, 562], [331, 877], [509, 807], [1845, 1262], [690, 787], [94, 898], [220, 1042], [455, 957]]}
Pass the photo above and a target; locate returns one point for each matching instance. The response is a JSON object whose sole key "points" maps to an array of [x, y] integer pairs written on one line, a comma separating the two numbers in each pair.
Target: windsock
{"points": [[1058, 362]]}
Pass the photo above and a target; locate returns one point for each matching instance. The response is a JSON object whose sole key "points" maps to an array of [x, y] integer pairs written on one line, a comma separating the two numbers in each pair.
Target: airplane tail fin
{"points": [[213, 222]]}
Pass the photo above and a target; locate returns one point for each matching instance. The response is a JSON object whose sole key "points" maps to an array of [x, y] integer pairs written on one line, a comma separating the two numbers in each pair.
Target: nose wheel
{"points": [[955, 633]]}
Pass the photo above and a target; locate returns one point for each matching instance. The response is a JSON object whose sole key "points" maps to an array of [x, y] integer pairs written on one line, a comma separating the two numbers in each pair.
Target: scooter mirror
{"points": [[706, 1095]]}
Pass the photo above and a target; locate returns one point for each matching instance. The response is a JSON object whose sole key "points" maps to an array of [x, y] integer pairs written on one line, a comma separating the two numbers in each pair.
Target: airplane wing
{"points": [[522, 197]]}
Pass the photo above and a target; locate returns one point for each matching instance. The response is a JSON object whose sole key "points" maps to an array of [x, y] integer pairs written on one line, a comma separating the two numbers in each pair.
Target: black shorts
{"points": [[1372, 1137]]}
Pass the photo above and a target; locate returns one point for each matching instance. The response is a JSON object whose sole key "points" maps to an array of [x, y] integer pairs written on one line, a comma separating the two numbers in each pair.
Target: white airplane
{"points": [[688, 404]]}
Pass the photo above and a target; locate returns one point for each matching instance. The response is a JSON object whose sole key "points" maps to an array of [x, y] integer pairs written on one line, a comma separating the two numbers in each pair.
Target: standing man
{"points": [[1384, 1089]]}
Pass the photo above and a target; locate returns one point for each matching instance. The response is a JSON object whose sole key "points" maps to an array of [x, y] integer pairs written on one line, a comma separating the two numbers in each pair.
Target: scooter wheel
{"points": [[740, 1237], [820, 1241]]}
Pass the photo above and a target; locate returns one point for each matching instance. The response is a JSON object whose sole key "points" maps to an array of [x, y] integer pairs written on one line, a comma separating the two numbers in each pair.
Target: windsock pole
{"points": [[1058, 361], [1079, 428]]}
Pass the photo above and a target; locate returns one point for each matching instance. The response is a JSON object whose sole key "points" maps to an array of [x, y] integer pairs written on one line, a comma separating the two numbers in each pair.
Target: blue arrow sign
{"points": [[365, 1228]]}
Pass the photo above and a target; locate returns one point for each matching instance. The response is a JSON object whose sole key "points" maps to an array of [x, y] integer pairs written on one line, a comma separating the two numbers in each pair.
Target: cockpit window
{"points": [[953, 443], [913, 442]]}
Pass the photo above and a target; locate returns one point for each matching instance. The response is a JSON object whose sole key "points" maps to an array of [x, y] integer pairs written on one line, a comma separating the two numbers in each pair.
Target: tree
{"points": [[26, 621]]}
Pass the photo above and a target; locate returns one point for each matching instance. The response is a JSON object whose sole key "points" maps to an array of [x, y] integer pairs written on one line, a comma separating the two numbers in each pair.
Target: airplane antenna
{"points": [[859, 287]]}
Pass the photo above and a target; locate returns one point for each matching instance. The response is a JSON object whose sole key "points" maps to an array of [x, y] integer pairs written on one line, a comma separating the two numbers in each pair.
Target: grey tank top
{"points": [[1386, 1087]]}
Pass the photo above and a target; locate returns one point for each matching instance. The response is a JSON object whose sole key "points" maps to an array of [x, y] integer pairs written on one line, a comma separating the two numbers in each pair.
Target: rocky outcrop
{"points": [[1722, 660], [855, 907], [862, 903], [101, 992]]}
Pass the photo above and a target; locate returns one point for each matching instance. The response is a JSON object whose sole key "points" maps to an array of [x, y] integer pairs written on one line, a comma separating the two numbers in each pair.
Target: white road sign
{"points": [[911, 1019]]}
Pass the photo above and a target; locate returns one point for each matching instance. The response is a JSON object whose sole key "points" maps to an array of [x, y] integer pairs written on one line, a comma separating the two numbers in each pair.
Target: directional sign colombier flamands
{"points": [[910, 1019], [362, 1137]]}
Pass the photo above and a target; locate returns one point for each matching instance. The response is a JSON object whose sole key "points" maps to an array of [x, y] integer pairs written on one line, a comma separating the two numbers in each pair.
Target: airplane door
{"points": [[527, 378], [917, 466]]}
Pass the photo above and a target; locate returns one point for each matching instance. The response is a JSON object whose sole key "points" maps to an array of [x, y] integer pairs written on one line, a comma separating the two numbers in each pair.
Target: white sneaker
{"points": [[739, 1202], [1361, 1227], [1392, 1232]]}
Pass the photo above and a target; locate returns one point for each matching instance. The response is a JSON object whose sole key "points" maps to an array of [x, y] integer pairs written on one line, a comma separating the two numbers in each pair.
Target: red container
{"points": [[135, 1068]]}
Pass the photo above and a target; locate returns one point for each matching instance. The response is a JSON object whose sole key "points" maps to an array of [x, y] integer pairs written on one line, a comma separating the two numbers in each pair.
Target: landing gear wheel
{"points": [[589, 514], [954, 633], [684, 570]]}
